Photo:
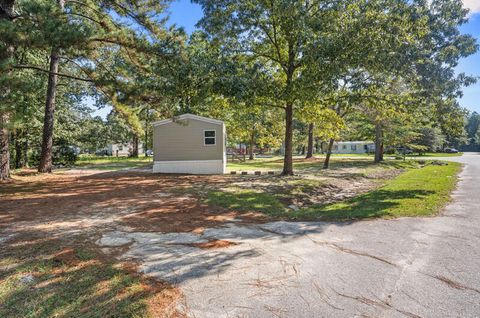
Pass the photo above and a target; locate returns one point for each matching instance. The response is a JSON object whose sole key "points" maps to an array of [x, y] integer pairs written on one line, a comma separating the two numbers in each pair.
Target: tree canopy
{"points": [[281, 73]]}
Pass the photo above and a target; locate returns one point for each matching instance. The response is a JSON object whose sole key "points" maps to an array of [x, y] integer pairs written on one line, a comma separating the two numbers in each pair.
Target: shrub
{"points": [[64, 155]]}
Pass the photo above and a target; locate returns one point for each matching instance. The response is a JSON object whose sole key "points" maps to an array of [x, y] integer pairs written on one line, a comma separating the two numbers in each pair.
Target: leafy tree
{"points": [[275, 35], [473, 130], [431, 139]]}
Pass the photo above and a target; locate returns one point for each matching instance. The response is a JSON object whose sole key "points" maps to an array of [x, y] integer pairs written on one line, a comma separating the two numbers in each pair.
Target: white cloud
{"points": [[473, 5]]}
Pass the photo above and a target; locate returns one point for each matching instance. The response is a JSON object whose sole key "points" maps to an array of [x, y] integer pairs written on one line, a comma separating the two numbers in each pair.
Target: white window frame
{"points": [[214, 138]]}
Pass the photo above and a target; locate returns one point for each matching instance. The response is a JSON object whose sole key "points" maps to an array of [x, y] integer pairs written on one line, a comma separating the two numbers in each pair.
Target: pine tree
{"points": [[99, 42], [7, 14]]}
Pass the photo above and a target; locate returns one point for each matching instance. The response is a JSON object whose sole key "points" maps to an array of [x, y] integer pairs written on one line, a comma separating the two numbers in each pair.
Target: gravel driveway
{"points": [[408, 267]]}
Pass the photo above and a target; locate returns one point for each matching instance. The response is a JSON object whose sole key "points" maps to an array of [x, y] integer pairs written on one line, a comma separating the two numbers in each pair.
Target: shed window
{"points": [[354, 147], [344, 147], [209, 137]]}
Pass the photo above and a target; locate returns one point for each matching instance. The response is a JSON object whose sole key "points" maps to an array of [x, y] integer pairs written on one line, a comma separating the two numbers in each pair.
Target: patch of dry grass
{"points": [[41, 277]]}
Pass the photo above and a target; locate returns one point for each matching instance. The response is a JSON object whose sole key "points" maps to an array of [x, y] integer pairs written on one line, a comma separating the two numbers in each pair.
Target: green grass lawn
{"points": [[416, 192], [111, 163], [299, 163]]}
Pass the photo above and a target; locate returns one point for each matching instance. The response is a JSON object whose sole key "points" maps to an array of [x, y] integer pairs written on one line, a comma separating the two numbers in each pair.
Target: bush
{"points": [[64, 155], [61, 155]]}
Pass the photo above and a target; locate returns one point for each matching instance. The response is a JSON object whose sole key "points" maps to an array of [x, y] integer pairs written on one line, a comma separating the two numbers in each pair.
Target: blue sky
{"points": [[185, 14], [471, 65]]}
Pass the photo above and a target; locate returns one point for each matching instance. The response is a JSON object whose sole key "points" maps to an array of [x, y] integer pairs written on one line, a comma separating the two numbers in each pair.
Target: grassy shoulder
{"points": [[420, 191], [42, 278], [436, 154]]}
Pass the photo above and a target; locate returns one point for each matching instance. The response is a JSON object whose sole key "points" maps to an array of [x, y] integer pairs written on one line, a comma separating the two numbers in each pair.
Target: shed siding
{"points": [[184, 141]]}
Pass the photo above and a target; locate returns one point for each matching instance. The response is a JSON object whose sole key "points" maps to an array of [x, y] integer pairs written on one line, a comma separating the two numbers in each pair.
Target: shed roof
{"points": [[354, 142], [187, 116]]}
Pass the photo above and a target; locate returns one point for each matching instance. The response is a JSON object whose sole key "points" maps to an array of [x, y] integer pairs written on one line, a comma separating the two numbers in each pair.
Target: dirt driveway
{"points": [[83, 200]]}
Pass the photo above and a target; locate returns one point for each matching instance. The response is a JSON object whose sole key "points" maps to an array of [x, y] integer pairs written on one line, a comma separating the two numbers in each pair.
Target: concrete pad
{"points": [[114, 239]]}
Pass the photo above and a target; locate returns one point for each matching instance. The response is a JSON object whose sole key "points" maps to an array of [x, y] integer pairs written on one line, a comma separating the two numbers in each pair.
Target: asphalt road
{"points": [[408, 267]]}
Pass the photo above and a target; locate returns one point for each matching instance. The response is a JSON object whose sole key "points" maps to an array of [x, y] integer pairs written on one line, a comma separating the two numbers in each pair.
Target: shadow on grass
{"points": [[245, 201], [41, 277], [379, 203]]}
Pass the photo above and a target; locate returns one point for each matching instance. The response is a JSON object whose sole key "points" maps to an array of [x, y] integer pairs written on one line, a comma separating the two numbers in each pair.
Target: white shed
{"points": [[189, 144]]}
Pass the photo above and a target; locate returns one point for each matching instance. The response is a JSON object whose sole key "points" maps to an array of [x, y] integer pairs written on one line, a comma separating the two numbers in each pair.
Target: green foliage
{"points": [[472, 128], [430, 138]]}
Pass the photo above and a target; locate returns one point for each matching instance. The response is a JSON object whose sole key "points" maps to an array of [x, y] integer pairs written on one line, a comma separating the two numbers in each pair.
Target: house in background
{"points": [[123, 150], [120, 150], [189, 144], [352, 147]]}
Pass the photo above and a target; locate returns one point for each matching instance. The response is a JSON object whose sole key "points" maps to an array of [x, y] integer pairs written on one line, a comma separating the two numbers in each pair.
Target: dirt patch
{"points": [[67, 257], [165, 297], [213, 244], [138, 200]]}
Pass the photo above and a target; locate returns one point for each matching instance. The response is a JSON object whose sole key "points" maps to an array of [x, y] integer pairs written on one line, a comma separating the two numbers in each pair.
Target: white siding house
{"points": [[353, 147], [122, 150]]}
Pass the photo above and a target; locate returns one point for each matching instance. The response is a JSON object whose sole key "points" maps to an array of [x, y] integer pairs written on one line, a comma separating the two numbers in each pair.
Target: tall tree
{"points": [[311, 127], [47, 143], [473, 131], [7, 15], [274, 34]]}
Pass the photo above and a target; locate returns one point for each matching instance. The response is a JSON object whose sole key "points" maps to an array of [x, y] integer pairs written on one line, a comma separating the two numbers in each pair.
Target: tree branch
{"points": [[33, 67]]}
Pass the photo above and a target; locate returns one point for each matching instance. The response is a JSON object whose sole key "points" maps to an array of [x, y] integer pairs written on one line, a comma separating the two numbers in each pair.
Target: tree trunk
{"points": [[7, 12], [25, 151], [378, 143], [18, 149], [4, 148], [310, 142], [252, 144], [145, 146], [21, 148], [326, 163], [288, 159], [48, 121], [135, 147]]}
